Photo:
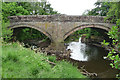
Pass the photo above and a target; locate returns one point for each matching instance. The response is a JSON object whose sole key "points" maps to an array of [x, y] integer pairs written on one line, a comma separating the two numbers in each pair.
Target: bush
{"points": [[114, 54], [6, 33]]}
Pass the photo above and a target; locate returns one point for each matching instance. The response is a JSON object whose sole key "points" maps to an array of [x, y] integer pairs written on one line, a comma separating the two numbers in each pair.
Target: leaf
{"points": [[117, 57], [112, 65]]}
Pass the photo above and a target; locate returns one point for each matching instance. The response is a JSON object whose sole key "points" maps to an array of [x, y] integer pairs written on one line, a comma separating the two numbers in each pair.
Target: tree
{"points": [[38, 8], [114, 12], [12, 9], [101, 9]]}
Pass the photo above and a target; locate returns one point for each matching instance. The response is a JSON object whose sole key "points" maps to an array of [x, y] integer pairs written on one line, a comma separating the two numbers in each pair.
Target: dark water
{"points": [[91, 57]]}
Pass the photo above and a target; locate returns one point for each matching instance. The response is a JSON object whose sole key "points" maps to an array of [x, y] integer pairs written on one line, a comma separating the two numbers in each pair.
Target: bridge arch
{"points": [[85, 26], [31, 26]]}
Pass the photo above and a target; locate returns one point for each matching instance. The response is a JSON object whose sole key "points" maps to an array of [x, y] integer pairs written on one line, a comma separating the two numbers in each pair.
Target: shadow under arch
{"points": [[85, 26], [31, 26]]}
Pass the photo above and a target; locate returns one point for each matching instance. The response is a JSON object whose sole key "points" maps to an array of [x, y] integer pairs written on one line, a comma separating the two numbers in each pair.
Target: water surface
{"points": [[91, 57]]}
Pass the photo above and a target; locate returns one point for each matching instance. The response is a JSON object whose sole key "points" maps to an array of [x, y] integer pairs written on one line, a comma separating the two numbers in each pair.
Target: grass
{"points": [[20, 62]]}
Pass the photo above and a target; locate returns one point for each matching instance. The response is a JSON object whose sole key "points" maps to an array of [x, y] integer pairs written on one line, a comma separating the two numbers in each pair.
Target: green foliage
{"points": [[118, 22], [19, 62], [109, 9], [12, 9], [114, 54], [113, 33], [42, 8], [52, 58], [101, 9], [105, 43], [87, 31], [114, 12], [6, 33], [0, 25], [38, 8], [29, 33]]}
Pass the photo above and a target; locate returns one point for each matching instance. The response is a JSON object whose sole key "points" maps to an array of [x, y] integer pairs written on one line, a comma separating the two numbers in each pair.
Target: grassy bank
{"points": [[20, 62]]}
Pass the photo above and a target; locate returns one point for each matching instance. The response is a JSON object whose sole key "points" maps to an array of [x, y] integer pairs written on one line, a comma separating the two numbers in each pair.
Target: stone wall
{"points": [[56, 18]]}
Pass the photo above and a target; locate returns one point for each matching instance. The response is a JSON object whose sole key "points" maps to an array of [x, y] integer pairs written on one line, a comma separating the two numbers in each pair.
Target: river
{"points": [[89, 56], [92, 58]]}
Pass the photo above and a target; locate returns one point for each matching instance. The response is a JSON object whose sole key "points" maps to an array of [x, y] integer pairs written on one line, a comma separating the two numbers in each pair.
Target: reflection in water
{"points": [[92, 57]]}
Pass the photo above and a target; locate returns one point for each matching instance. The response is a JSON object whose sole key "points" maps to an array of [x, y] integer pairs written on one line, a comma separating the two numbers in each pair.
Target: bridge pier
{"points": [[57, 46]]}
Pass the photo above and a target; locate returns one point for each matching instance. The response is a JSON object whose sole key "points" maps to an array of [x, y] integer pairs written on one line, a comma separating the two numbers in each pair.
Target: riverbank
{"points": [[20, 62]]}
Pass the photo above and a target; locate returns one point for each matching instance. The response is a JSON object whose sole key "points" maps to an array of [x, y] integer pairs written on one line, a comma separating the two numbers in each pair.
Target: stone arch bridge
{"points": [[58, 27]]}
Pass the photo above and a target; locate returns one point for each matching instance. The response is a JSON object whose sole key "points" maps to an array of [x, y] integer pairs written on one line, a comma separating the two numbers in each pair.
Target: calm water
{"points": [[92, 58]]}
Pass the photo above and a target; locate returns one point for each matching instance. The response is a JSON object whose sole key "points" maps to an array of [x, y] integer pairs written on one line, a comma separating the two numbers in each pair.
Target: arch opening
{"points": [[31, 36], [97, 33]]}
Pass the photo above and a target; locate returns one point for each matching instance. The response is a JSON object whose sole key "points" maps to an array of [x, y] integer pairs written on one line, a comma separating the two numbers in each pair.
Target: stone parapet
{"points": [[56, 18]]}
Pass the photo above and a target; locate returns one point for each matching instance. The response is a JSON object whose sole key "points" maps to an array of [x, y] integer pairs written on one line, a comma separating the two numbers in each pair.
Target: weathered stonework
{"points": [[58, 27], [56, 18]]}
